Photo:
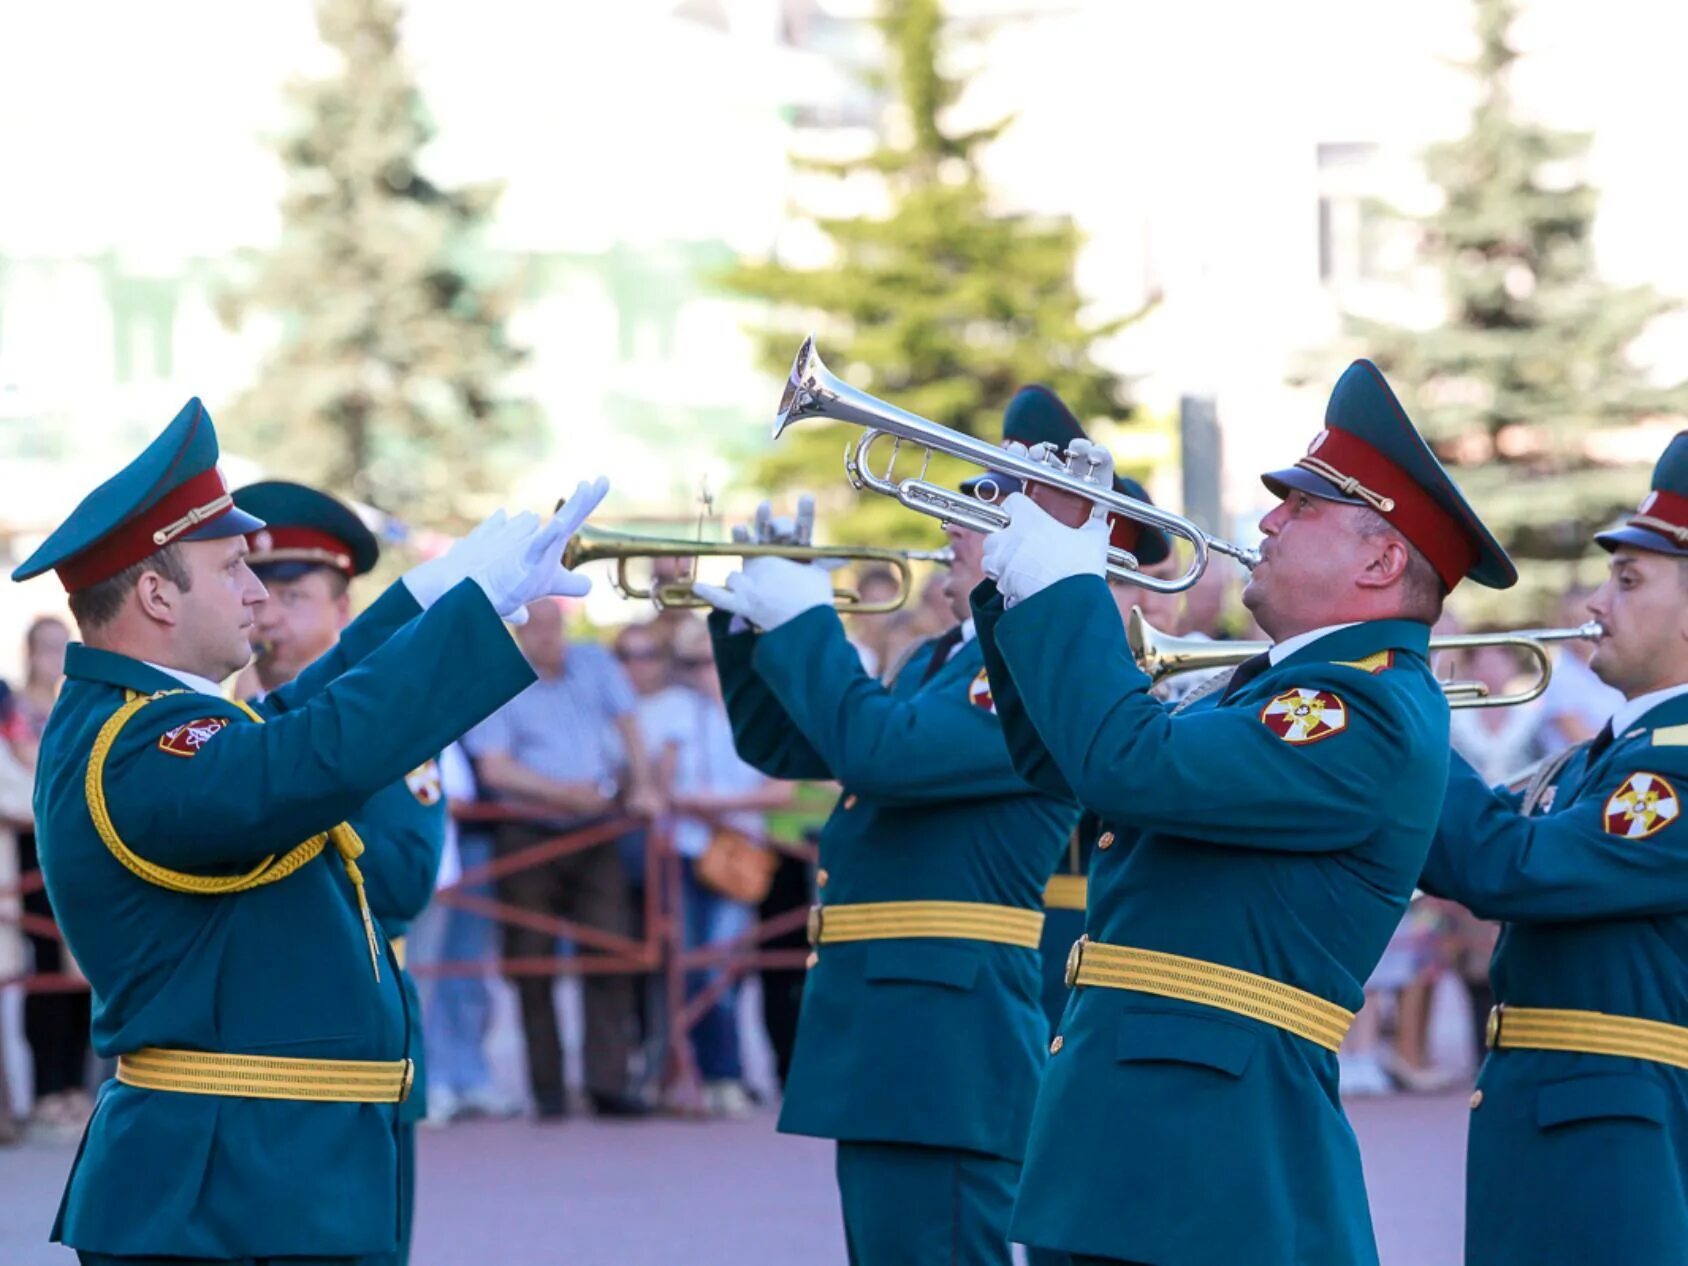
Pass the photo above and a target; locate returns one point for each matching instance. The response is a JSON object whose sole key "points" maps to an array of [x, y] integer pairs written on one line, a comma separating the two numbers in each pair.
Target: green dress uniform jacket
{"points": [[1578, 1157], [403, 830], [1246, 834], [918, 1040], [282, 969], [1062, 925]]}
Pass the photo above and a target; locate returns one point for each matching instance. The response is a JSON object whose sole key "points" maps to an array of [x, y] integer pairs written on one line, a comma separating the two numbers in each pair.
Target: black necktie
{"points": [[1246, 672], [1598, 744], [940, 653]]}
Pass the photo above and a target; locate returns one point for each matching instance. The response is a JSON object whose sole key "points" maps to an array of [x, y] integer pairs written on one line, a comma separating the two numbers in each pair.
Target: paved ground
{"points": [[728, 1194]]}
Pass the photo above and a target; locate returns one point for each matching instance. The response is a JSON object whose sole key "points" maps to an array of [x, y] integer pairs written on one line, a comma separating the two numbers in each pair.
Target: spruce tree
{"points": [[943, 305], [386, 384], [1532, 357]]}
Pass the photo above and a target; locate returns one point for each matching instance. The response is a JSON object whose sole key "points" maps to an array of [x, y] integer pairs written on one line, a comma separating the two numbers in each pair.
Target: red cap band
{"points": [[198, 501], [1123, 533], [1439, 536], [1665, 513], [299, 544]]}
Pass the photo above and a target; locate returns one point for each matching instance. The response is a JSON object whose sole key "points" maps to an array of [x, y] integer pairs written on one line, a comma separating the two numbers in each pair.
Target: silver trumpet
{"points": [[815, 392]]}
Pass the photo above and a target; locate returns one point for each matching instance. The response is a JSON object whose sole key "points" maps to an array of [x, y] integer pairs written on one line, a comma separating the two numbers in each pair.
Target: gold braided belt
{"points": [[267, 1076], [1093, 964], [894, 920], [1066, 892], [1588, 1033], [271, 870]]}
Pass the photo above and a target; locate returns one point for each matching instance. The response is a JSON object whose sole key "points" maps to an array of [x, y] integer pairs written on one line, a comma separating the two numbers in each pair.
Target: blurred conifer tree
{"points": [[943, 304], [386, 384], [1532, 357]]}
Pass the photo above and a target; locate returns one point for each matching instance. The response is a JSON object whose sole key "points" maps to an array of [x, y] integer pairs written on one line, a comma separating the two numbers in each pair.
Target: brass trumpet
{"points": [[1161, 655], [592, 545], [813, 391]]}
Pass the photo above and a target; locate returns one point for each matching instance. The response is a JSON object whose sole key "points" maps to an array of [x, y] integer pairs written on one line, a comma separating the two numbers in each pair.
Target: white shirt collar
{"points": [[1632, 710], [204, 685], [1290, 645]]}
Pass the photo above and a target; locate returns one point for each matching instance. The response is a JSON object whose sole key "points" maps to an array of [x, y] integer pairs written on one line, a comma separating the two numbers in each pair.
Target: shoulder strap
{"points": [[1543, 776], [268, 871], [1213, 685]]}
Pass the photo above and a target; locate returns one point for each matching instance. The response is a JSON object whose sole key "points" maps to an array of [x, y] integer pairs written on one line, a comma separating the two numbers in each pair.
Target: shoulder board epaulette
{"points": [[1373, 663], [1671, 736]]}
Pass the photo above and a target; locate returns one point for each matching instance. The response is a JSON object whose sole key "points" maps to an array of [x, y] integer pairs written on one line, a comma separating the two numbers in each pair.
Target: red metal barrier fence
{"points": [[657, 951]]}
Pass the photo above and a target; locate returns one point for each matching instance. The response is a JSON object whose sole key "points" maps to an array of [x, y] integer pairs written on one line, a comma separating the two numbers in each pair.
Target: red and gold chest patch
{"points": [[1643, 806], [187, 739], [424, 783], [1305, 716], [979, 692]]}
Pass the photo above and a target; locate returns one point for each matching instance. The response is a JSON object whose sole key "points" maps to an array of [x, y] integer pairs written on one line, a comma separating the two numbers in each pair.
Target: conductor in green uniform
{"points": [[1261, 844], [306, 555], [1579, 1124], [203, 871], [921, 1036]]}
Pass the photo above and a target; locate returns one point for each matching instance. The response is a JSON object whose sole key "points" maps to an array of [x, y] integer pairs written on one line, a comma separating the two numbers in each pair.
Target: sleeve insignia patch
{"points": [[186, 740], [1643, 806], [1305, 716], [424, 783], [979, 692]]}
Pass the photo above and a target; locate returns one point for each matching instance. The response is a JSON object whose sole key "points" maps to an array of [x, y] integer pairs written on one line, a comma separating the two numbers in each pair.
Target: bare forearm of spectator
{"points": [[501, 772], [771, 795], [644, 791]]}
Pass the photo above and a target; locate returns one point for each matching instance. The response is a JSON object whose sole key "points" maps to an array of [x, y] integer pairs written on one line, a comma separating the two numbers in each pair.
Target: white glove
{"points": [[1035, 551], [770, 592], [430, 581], [770, 530], [515, 572]]}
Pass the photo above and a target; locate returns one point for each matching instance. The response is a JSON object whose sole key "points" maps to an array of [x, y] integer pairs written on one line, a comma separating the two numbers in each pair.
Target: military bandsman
{"points": [[1259, 848], [203, 871], [1579, 1124], [921, 1036]]}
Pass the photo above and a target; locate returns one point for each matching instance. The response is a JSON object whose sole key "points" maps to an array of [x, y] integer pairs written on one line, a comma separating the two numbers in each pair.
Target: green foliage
{"points": [[943, 306], [1532, 357], [385, 386]]}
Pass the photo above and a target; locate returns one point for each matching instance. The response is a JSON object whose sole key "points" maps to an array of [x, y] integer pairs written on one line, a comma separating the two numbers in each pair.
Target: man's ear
{"points": [[343, 608], [1386, 564], [159, 597]]}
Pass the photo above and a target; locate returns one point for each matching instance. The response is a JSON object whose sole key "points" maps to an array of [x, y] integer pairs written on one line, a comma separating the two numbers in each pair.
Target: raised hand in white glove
{"points": [[430, 581], [530, 567], [1035, 550], [770, 529], [770, 592]]}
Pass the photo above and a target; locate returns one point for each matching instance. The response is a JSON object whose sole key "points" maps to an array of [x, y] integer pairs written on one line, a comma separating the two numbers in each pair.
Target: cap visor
{"points": [[1280, 482], [1639, 538], [236, 522]]}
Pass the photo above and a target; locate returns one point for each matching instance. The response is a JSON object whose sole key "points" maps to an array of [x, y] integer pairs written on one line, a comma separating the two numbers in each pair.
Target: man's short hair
{"points": [[1422, 590], [98, 605]]}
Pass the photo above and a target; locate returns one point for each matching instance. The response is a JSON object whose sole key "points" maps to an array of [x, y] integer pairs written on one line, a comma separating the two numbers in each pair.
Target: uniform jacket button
{"points": [[821, 878], [1055, 1046], [1105, 840], [1476, 1100], [812, 960], [850, 801]]}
